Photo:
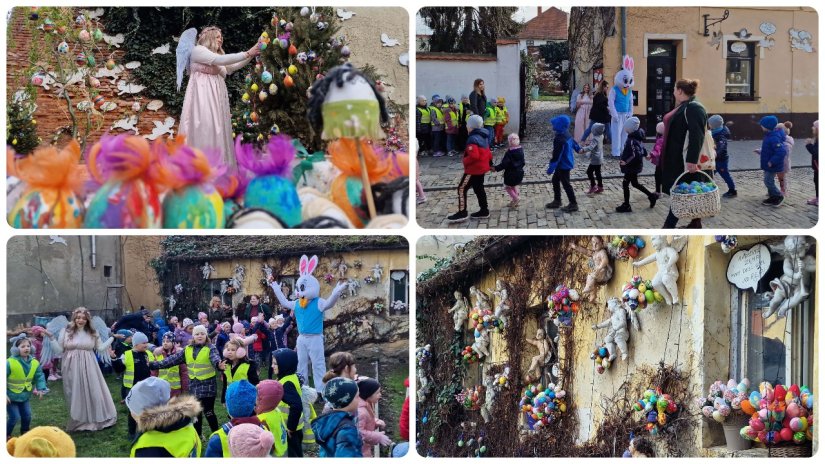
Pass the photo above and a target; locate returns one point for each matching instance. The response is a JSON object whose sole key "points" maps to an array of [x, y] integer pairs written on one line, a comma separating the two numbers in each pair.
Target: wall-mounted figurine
{"points": [[491, 390], [666, 257], [377, 273], [224, 287], [481, 345], [240, 272], [537, 362], [207, 270], [459, 311], [504, 304], [599, 263], [172, 302], [353, 286], [617, 332], [794, 286], [481, 300], [267, 270]]}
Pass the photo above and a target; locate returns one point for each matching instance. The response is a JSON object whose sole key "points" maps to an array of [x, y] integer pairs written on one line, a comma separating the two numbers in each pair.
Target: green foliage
{"points": [[553, 54], [21, 127], [146, 28], [285, 109], [468, 29], [440, 264]]}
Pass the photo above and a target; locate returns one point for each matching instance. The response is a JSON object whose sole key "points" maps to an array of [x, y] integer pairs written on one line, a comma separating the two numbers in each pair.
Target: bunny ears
{"points": [[627, 63], [307, 265]]}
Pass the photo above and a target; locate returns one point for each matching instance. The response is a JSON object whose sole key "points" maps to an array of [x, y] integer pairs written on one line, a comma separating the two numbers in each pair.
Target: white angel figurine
{"points": [[666, 257], [544, 355], [377, 272], [490, 393], [482, 300], [504, 305], [789, 290], [459, 311], [267, 271], [617, 333], [207, 270], [481, 345], [240, 272], [172, 302], [224, 287]]}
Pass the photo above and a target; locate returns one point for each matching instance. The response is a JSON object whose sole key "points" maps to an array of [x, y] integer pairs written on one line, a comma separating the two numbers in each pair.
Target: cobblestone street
{"points": [[440, 176]]}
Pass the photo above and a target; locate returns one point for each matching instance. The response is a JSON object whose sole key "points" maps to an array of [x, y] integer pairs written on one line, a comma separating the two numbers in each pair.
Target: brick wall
{"points": [[52, 113]]}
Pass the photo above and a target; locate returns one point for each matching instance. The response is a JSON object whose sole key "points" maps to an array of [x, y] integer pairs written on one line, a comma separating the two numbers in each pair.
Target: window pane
{"points": [[738, 77], [766, 338]]}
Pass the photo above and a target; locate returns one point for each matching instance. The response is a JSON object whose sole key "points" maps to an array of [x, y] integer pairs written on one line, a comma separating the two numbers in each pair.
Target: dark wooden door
{"points": [[661, 77]]}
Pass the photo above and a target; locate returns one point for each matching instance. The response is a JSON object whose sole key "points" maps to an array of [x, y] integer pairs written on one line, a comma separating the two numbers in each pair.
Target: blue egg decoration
{"points": [[640, 243], [266, 77], [276, 195]]}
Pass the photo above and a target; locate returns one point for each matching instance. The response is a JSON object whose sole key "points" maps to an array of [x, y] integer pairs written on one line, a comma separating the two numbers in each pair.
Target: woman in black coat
{"points": [[478, 100], [688, 121], [599, 112]]}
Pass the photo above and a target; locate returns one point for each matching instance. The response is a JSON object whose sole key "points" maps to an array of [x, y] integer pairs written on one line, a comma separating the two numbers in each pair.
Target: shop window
{"points": [[399, 291], [213, 288], [288, 285], [739, 71], [773, 350]]}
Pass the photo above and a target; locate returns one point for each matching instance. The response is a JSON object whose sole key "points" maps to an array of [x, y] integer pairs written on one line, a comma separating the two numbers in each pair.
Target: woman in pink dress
{"points": [[206, 119], [90, 403], [583, 104]]}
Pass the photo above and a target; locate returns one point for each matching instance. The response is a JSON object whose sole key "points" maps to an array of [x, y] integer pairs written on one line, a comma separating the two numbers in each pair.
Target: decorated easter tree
{"points": [[298, 48], [21, 126], [66, 53]]}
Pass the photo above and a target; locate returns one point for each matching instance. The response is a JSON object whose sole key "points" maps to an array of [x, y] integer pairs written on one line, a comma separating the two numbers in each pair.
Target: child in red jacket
{"points": [[477, 161]]}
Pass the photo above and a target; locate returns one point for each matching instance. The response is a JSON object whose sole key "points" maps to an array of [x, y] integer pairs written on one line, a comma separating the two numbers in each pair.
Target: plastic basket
{"points": [[695, 205]]}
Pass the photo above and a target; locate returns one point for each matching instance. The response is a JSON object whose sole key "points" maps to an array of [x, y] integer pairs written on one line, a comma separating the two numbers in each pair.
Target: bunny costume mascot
{"points": [[620, 104], [309, 314]]}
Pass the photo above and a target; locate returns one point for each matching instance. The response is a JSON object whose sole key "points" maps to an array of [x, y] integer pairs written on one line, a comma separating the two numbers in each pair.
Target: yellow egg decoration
{"points": [[245, 97], [293, 70], [254, 87], [273, 89]]}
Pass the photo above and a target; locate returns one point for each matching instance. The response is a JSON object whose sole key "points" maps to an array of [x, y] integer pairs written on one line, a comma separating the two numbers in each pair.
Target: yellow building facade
{"points": [[755, 62]]}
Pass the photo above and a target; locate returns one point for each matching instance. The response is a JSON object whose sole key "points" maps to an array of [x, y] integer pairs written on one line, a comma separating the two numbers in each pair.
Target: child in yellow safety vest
{"points": [[24, 377], [134, 365], [452, 122], [270, 394], [490, 119], [164, 423], [285, 366], [423, 126], [238, 367], [177, 376], [203, 362], [241, 397], [249, 441], [437, 122], [502, 118]]}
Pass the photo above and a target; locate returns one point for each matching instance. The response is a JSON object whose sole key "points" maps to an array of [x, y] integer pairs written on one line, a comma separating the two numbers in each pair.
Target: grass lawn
{"points": [[556, 98], [112, 442]]}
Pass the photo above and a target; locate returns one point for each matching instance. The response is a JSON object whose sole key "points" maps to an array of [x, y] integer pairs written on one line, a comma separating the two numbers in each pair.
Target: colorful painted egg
{"points": [[48, 25], [98, 35], [99, 101], [80, 59], [90, 61], [301, 58], [253, 116], [283, 43], [94, 82], [273, 89], [254, 87], [110, 64], [132, 204], [292, 50], [262, 95], [292, 70], [276, 195], [84, 36], [311, 55], [193, 207], [37, 79], [288, 82], [274, 21], [266, 77], [262, 45], [47, 209], [63, 48], [345, 51], [245, 97]]}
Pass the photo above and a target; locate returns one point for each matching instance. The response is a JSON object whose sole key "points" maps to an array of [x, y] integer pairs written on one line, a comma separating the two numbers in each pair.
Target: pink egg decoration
{"points": [[792, 410], [757, 425], [785, 434]]}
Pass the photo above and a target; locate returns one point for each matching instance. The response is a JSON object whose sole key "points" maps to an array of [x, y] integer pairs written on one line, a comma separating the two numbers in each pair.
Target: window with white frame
{"points": [[213, 288], [530, 43], [288, 285], [773, 349], [739, 71], [399, 291]]}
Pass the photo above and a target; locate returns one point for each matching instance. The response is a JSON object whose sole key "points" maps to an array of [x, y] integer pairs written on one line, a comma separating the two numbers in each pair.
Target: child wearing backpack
{"points": [[335, 431], [631, 164]]}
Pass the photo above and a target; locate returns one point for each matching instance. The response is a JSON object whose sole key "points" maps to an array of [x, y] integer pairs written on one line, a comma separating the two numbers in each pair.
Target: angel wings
{"points": [[184, 51]]}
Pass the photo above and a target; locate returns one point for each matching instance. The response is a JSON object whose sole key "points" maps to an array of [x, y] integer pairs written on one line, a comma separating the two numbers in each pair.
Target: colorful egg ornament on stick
{"points": [[562, 305], [51, 198], [126, 166], [271, 188], [192, 202], [624, 247]]}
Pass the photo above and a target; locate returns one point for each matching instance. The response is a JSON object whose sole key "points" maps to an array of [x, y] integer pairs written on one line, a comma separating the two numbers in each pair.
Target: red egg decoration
{"points": [[288, 82], [99, 101], [292, 50]]}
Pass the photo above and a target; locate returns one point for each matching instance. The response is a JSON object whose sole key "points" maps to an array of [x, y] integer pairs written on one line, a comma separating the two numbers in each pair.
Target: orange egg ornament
{"points": [[292, 50], [288, 82]]}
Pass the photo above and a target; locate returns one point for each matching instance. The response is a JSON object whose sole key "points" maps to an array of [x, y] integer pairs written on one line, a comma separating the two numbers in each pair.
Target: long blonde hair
{"points": [[208, 38], [88, 327]]}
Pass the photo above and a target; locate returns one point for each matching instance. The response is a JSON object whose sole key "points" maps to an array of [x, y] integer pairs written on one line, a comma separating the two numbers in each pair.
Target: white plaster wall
{"points": [[455, 78]]}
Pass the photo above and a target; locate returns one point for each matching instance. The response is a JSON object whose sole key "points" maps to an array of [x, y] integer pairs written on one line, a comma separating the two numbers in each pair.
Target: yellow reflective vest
{"points": [[170, 374], [200, 368], [129, 362], [425, 114], [18, 380], [182, 443], [276, 424], [241, 373]]}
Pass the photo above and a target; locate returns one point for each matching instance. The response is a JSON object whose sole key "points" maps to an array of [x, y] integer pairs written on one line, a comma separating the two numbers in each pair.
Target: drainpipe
{"points": [[94, 252], [623, 13]]}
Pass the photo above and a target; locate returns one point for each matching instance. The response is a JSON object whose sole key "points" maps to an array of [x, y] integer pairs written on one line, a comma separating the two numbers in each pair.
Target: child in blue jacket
{"points": [[772, 157], [23, 377], [631, 164], [562, 163], [335, 431], [721, 134]]}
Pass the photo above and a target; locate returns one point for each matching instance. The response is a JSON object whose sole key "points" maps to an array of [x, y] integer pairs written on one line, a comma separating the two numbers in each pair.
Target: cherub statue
{"points": [[267, 271], [207, 270], [617, 333], [666, 257], [504, 304], [544, 356], [459, 311], [793, 287], [341, 268], [481, 345], [352, 286], [599, 263], [482, 300], [234, 282], [490, 393], [240, 272], [224, 287], [423, 354], [377, 272], [172, 302]]}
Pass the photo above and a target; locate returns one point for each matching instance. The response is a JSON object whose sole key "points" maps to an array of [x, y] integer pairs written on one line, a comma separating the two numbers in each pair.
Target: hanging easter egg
{"points": [[61, 30], [262, 96], [305, 11], [90, 61], [33, 14], [245, 97], [63, 48], [37, 79], [321, 25], [282, 23], [311, 55], [80, 21], [345, 51], [273, 89], [262, 45], [98, 35], [258, 67], [283, 43], [319, 76], [80, 59], [314, 17], [275, 130], [48, 25], [254, 87], [99, 101], [274, 21], [253, 116], [292, 70], [84, 36], [110, 64], [248, 79], [288, 82], [266, 77], [292, 50], [288, 27]]}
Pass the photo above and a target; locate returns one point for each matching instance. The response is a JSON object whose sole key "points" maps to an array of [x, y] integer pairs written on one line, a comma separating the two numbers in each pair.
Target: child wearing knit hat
{"points": [[177, 376], [241, 397], [423, 126], [249, 441], [477, 162], [270, 394], [812, 145], [721, 135], [164, 423], [134, 366], [370, 428], [772, 158], [631, 164], [335, 431], [561, 163]]}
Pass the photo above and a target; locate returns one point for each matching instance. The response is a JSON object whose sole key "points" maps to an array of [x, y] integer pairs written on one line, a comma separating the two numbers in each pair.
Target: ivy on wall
{"points": [[147, 28]]}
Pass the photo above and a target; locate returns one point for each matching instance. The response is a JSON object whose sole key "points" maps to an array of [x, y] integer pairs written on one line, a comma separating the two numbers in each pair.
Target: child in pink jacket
{"points": [[369, 391], [655, 156]]}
